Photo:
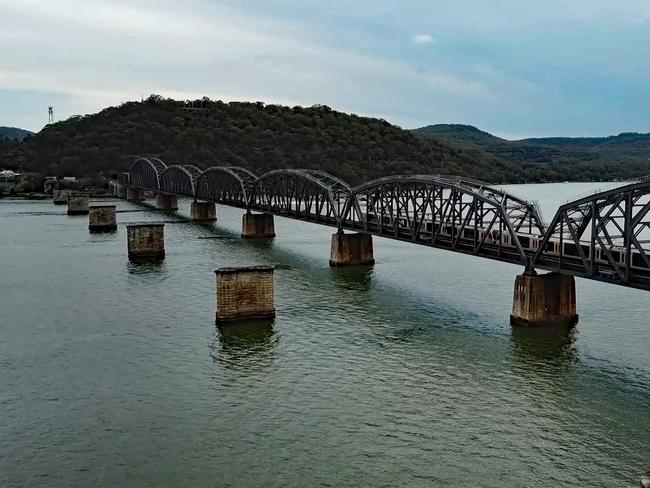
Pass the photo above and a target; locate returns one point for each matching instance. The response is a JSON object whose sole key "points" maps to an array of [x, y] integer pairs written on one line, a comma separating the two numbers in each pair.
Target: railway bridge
{"points": [[604, 236]]}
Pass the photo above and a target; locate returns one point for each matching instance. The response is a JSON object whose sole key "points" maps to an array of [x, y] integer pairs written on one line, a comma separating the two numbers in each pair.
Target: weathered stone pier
{"points": [[145, 240], [134, 194], [544, 299], [245, 293], [257, 226], [166, 201], [60, 197], [78, 203], [351, 250], [203, 211], [102, 218]]}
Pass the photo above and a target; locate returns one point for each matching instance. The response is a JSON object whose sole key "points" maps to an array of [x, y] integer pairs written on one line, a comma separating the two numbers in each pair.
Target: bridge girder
{"points": [[305, 194], [444, 212], [179, 180], [607, 232], [145, 173], [229, 185]]}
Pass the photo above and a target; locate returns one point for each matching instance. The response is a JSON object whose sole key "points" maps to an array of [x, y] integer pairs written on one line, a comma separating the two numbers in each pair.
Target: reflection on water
{"points": [[552, 344], [245, 343], [146, 266], [357, 278]]}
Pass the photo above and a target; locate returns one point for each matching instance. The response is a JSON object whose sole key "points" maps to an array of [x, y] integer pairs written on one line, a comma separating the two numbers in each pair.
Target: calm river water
{"points": [[406, 374]]}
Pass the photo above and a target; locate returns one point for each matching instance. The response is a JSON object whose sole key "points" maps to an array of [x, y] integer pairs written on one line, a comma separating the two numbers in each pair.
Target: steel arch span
{"points": [[228, 185], [145, 173], [303, 194], [445, 212], [179, 180], [604, 236]]}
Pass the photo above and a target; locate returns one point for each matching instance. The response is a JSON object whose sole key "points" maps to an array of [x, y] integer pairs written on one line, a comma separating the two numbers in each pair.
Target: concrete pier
{"points": [[245, 293], [134, 194], [101, 218], [78, 204], [165, 201], [546, 299], [351, 250], [60, 197], [146, 240], [120, 191], [257, 226], [203, 212]]}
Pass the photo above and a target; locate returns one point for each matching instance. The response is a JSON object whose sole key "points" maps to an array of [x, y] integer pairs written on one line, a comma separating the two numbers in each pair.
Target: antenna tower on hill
{"points": [[50, 115]]}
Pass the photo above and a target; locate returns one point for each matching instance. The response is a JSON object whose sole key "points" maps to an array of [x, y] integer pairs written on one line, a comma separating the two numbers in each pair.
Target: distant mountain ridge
{"points": [[14, 133], [626, 148]]}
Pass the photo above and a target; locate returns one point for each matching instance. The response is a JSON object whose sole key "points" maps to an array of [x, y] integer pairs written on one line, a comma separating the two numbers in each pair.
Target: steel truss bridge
{"points": [[604, 236]]}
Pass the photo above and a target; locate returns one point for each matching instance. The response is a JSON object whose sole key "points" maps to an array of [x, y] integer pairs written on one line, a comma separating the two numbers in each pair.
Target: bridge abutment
{"points": [[101, 218], [166, 201], [203, 211], [78, 204], [351, 250], [245, 293], [145, 241], [134, 194], [257, 226], [546, 299]]}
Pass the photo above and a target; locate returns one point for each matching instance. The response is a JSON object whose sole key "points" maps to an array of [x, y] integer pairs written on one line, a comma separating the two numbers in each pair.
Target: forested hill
{"points": [[257, 136], [589, 158], [13, 133]]}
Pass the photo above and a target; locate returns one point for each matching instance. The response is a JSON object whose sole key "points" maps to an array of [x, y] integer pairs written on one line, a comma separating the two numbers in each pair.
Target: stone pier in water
{"points": [[351, 250], [203, 211], [101, 218], [245, 293], [544, 299], [257, 226], [146, 240], [60, 197], [78, 203], [134, 194], [166, 201]]}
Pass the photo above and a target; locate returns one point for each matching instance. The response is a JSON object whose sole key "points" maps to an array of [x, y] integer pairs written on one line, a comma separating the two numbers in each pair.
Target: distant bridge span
{"points": [[604, 236]]}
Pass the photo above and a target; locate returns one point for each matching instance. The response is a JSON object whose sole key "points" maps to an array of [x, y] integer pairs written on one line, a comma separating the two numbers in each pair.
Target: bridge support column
{"points": [[101, 218], [166, 201], [351, 249], [120, 191], [203, 212], [78, 204], [60, 197], [245, 293], [257, 226], [134, 194], [546, 299], [145, 240]]}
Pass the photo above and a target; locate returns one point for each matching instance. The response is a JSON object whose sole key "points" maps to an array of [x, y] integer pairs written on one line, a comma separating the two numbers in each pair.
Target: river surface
{"points": [[404, 374]]}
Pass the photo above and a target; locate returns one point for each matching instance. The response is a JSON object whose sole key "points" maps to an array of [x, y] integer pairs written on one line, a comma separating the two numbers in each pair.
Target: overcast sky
{"points": [[516, 68]]}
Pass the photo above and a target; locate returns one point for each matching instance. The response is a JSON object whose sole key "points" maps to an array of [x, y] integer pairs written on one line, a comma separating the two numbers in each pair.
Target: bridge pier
{"points": [[203, 211], [101, 218], [547, 299], [78, 204], [166, 201], [145, 240], [120, 191], [257, 226], [245, 293], [134, 194], [60, 197], [351, 249]]}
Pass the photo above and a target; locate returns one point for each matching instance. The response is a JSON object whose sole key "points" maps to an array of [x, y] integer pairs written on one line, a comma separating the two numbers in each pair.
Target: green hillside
{"points": [[13, 133], [254, 135]]}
